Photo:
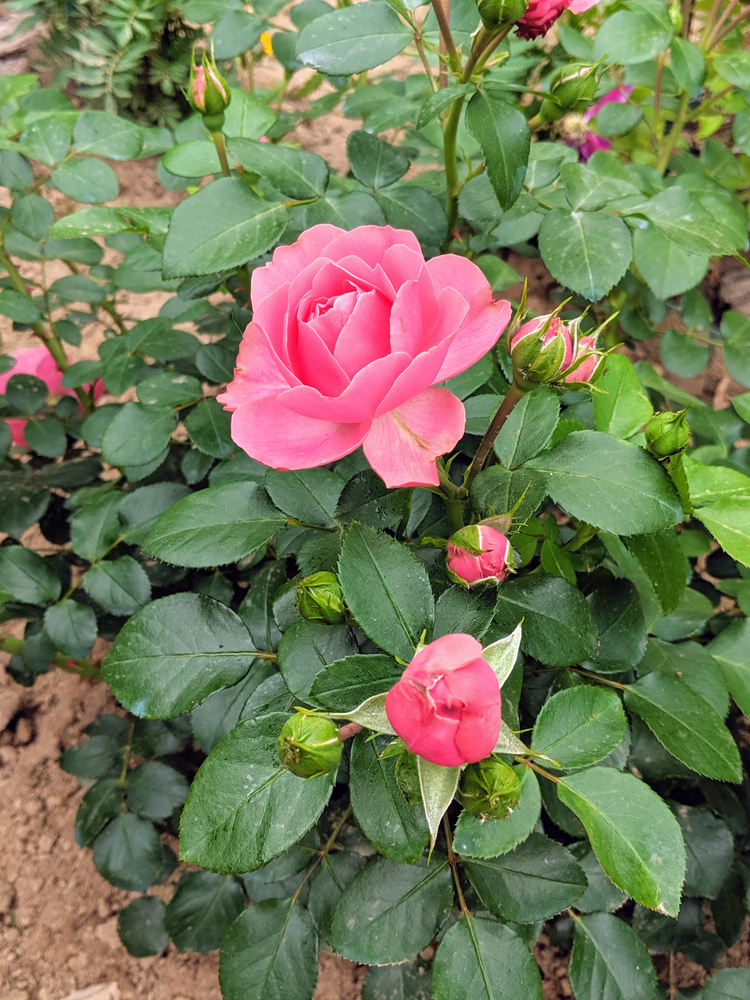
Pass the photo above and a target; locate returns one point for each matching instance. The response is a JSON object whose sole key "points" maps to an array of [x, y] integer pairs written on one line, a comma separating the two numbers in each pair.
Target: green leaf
{"points": [[308, 495], [529, 427], [618, 614], [138, 510], [155, 790], [353, 39], [28, 577], [19, 308], [33, 215], [374, 162], [87, 180], [502, 131], [103, 134], [634, 36], [536, 880], [88, 222], [408, 206], [202, 908], [407, 981], [26, 393], [687, 63], [731, 649], [174, 653], [244, 808], [346, 683], [497, 491], [391, 911], [337, 871], [680, 217], [129, 853], [694, 665], [78, 288], [394, 827], [476, 839], [438, 785], [441, 100], [727, 984], [247, 116], [98, 757], [610, 484], [307, 647], [22, 502], [387, 590], [622, 408], [221, 226], [686, 725], [601, 895], [101, 803], [734, 67], [579, 726], [461, 610], [209, 427], [217, 716], [72, 628], [118, 585], [215, 526], [688, 618], [481, 959], [710, 851], [661, 558], [270, 953], [587, 252], [192, 159], [137, 434], [558, 629], [668, 269], [140, 925], [646, 860], [294, 172], [48, 139], [168, 389], [610, 960]]}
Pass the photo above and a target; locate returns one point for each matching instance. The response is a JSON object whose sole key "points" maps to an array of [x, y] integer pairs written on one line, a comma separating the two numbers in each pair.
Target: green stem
{"points": [[221, 149], [452, 495], [453, 862], [668, 144], [443, 20], [514, 395], [425, 61]]}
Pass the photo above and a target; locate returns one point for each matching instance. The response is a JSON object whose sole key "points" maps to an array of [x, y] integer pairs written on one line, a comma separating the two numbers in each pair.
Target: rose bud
{"points": [[498, 14], [667, 434], [591, 362], [540, 351], [478, 556], [571, 89], [208, 92], [446, 706], [319, 599], [310, 745], [490, 789], [541, 15]]}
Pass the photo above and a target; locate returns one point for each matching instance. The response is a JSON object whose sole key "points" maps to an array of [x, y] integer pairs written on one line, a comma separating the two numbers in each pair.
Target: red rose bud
{"points": [[541, 351], [479, 556], [446, 707], [541, 15], [208, 90], [591, 362]]}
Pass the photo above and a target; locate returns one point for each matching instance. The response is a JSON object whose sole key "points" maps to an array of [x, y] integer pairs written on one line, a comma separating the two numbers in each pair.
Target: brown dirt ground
{"points": [[58, 917]]}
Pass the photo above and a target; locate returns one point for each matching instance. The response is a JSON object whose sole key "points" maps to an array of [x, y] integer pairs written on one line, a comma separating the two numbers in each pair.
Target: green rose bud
{"points": [[208, 92], [571, 89], [667, 434], [310, 745], [319, 599], [490, 789], [498, 14]]}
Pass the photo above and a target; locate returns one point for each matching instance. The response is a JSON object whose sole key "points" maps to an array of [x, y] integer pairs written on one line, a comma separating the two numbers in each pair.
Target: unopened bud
{"points": [[571, 89], [479, 556], [490, 789], [667, 434], [320, 599], [498, 14], [540, 351], [588, 362], [208, 91], [310, 745]]}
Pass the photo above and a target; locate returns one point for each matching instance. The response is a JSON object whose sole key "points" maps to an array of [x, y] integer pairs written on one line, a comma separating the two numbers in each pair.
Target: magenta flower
{"points": [[446, 706], [351, 331], [593, 143], [540, 15], [479, 555]]}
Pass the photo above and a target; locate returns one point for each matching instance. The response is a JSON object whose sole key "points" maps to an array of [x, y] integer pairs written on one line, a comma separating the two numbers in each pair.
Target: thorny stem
{"points": [[453, 862], [323, 853], [513, 396], [442, 13]]}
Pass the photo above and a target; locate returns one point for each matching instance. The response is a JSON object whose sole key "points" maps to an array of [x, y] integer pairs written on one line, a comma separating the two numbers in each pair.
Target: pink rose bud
{"points": [[208, 91], [541, 350], [591, 365], [351, 336], [198, 89], [446, 707], [479, 555], [540, 15]]}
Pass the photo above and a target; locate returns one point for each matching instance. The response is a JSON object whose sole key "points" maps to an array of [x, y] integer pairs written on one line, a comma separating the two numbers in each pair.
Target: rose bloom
{"points": [[37, 361], [471, 568], [351, 331], [446, 706], [580, 136], [540, 15]]}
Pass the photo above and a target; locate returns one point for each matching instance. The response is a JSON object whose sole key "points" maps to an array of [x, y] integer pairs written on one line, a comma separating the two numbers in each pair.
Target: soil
{"points": [[58, 917]]}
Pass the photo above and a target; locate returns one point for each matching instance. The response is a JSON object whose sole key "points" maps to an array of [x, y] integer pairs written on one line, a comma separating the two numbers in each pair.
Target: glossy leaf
{"points": [[579, 726]]}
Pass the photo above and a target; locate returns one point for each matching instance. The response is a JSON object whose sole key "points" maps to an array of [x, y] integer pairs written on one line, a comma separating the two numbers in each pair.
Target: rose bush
{"points": [[301, 682]]}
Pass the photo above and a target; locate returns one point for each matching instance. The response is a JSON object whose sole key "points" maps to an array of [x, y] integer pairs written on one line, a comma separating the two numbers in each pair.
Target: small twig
{"points": [[514, 394], [453, 862]]}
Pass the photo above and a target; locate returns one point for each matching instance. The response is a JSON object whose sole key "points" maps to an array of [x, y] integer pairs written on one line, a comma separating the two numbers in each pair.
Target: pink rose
{"points": [[350, 333], [540, 15], [479, 555], [201, 76], [446, 707], [37, 361], [590, 366], [593, 143], [618, 95]]}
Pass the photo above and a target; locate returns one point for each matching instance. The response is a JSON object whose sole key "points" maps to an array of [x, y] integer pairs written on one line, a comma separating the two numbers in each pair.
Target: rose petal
{"points": [[365, 335], [274, 435], [370, 243], [288, 261], [258, 372], [478, 334], [449, 652], [402, 445]]}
